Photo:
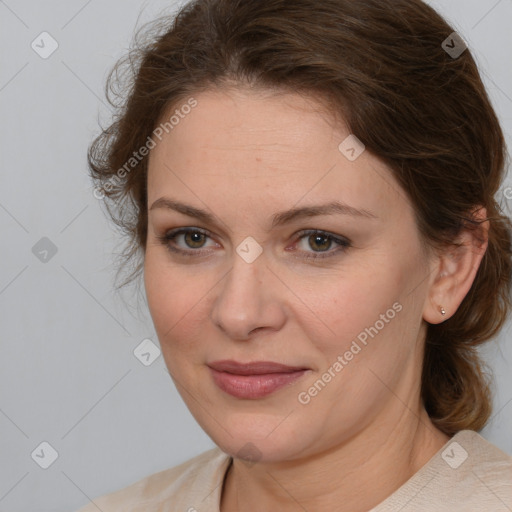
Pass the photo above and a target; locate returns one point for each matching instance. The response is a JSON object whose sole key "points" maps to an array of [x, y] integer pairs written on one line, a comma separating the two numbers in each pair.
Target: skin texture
{"points": [[244, 155]]}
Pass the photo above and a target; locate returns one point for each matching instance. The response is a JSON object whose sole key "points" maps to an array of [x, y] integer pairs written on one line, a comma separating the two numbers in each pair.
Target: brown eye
{"points": [[319, 242], [195, 239], [187, 241]]}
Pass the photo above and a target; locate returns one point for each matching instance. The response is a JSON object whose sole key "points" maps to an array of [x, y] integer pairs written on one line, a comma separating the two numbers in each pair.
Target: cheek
{"points": [[363, 347], [364, 315], [175, 303], [346, 303]]}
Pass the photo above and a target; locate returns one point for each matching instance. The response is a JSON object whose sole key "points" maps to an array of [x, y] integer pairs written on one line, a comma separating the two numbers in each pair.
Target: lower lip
{"points": [[254, 386]]}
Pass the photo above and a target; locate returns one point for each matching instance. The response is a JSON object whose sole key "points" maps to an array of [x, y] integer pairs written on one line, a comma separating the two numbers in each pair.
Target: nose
{"points": [[248, 300]]}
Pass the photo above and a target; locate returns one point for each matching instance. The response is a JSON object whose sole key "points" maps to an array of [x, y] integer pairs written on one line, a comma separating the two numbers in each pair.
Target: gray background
{"points": [[68, 375]]}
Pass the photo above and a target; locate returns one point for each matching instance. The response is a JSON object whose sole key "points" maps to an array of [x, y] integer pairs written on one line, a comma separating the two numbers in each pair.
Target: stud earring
{"points": [[443, 312]]}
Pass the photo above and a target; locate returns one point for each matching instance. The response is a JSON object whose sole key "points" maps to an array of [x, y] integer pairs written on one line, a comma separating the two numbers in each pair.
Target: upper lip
{"points": [[253, 368]]}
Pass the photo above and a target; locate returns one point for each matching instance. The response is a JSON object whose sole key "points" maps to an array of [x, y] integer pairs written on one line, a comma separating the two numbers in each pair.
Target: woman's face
{"points": [[303, 256]]}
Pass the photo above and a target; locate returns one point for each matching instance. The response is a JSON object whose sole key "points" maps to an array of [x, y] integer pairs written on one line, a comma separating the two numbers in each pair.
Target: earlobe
{"points": [[456, 270]]}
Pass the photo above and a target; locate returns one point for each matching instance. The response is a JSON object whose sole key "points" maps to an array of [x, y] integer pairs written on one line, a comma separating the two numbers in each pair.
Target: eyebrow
{"points": [[278, 219]]}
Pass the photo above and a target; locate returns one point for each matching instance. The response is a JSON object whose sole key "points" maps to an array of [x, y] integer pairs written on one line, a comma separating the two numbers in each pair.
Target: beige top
{"points": [[468, 474]]}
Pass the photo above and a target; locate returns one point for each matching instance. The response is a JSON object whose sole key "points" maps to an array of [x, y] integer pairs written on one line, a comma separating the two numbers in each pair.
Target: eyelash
{"points": [[343, 243]]}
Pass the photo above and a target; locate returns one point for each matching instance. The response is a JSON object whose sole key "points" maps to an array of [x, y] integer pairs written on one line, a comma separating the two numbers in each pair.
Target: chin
{"points": [[257, 436]]}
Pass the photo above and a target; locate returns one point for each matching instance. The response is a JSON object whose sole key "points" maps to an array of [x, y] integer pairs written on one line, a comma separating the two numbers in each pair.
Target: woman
{"points": [[311, 186]]}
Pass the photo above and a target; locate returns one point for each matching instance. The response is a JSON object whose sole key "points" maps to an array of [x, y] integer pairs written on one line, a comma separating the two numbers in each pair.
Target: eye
{"points": [[319, 244], [186, 241], [313, 244]]}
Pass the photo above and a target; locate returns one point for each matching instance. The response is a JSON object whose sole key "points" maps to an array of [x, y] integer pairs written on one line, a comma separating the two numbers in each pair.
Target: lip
{"points": [[253, 380]]}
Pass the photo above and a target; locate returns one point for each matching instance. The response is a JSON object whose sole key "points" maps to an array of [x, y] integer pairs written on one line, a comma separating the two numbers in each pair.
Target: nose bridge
{"points": [[245, 277], [243, 303]]}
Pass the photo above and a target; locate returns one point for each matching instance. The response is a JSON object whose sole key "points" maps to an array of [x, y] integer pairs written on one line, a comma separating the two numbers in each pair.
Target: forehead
{"points": [[254, 121], [284, 145]]}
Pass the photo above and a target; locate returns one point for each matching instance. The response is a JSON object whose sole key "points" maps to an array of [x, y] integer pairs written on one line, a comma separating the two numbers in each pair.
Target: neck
{"points": [[355, 475]]}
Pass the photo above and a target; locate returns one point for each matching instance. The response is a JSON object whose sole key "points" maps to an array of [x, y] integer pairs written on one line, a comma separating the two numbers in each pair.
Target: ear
{"points": [[455, 270]]}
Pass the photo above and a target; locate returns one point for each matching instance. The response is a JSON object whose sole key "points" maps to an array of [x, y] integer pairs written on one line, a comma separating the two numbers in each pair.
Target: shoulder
{"points": [[195, 482], [483, 458], [468, 473], [477, 474]]}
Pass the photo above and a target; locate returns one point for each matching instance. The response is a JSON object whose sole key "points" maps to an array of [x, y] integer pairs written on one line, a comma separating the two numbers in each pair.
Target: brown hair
{"points": [[379, 64]]}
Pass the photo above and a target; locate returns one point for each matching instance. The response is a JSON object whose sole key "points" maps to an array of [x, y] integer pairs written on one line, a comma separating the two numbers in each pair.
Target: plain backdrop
{"points": [[68, 374]]}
